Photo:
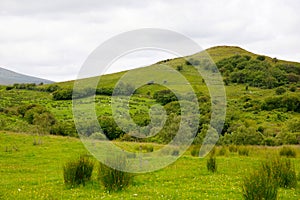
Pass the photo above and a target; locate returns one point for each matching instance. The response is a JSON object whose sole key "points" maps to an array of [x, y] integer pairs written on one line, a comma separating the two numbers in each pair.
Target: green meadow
{"points": [[30, 171]]}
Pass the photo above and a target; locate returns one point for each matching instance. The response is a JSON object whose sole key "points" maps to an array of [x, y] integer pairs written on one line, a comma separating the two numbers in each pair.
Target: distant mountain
{"points": [[8, 77]]}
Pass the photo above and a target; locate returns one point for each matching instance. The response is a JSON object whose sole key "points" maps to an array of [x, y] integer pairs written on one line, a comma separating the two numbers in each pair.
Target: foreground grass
{"points": [[30, 171]]}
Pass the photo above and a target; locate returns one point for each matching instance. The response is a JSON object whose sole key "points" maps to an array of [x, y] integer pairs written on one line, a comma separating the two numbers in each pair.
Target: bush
{"points": [[243, 151], [293, 89], [261, 58], [282, 171], [280, 90], [78, 171], [259, 185], [288, 152], [114, 179]]}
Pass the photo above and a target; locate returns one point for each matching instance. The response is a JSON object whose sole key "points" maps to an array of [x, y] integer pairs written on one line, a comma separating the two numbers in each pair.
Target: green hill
{"points": [[263, 101]]}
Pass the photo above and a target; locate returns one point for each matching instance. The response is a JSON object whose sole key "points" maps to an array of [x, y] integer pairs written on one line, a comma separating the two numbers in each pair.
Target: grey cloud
{"points": [[38, 36]]}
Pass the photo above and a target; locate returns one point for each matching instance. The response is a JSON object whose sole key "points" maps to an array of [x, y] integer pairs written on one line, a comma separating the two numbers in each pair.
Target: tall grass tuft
{"points": [[264, 182], [259, 185], [223, 151], [78, 171], [211, 162], [243, 151], [114, 179], [282, 170], [288, 152], [233, 148], [195, 151]]}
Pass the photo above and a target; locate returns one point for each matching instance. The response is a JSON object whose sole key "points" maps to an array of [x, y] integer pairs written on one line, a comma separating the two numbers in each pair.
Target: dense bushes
{"points": [[257, 72], [286, 102], [63, 94], [164, 96]]}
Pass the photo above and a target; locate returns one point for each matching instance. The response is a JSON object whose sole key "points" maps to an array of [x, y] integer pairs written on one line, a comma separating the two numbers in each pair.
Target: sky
{"points": [[52, 39]]}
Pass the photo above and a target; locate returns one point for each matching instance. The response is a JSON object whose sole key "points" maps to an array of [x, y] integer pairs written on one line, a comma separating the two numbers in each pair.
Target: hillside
{"points": [[263, 101], [8, 77]]}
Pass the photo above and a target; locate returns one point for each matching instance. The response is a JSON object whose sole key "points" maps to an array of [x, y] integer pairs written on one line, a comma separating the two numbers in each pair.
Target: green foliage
{"points": [[288, 152], [64, 128], [104, 91], [164, 96], [261, 58], [63, 94], [257, 73], [78, 171], [258, 185], [286, 102], [108, 126], [246, 136], [114, 179]]}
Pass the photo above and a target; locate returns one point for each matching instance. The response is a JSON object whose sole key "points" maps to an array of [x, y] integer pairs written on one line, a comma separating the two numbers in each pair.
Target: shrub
{"points": [[259, 185], [282, 171], [293, 89], [280, 90], [261, 58], [243, 151], [114, 179], [78, 171], [288, 152]]}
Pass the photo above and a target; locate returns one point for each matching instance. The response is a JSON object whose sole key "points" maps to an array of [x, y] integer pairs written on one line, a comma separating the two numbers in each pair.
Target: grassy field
{"points": [[31, 171]]}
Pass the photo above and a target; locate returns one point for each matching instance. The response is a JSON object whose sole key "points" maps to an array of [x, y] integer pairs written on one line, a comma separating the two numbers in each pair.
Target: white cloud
{"points": [[51, 39]]}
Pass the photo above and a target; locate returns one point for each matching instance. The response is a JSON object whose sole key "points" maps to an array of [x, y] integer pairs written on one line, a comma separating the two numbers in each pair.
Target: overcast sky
{"points": [[52, 39]]}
